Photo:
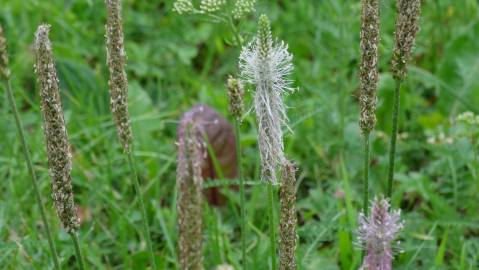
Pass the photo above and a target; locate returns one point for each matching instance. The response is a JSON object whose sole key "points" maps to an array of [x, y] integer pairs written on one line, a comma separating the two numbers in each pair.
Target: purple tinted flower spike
{"points": [[376, 235]]}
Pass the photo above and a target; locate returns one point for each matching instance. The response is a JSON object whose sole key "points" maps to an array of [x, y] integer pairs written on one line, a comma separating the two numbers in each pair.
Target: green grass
{"points": [[176, 61]]}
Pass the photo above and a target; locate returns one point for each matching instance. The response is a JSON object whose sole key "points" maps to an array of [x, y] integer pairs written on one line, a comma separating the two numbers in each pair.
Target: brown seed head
{"points": [[407, 26], [4, 70], [56, 137], [288, 220], [118, 83], [190, 199], [235, 97], [368, 73]]}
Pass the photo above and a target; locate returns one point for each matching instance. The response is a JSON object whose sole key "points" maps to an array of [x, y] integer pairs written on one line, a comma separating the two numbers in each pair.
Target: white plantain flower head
{"points": [[267, 65], [377, 233]]}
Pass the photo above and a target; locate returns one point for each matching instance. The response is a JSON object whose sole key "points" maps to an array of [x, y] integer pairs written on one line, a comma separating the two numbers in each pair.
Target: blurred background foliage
{"points": [[176, 61]]}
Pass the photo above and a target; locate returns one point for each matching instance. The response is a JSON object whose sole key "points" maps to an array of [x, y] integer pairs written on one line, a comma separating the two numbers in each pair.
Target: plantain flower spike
{"points": [[377, 233], [118, 82], [368, 74], [190, 198], [4, 70], [407, 26], [235, 97], [267, 64], [56, 137], [288, 220]]}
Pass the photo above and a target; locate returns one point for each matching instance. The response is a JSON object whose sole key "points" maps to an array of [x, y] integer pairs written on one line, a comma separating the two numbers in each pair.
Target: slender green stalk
{"points": [[392, 145], [366, 173], [28, 159], [272, 235], [76, 242], [242, 195], [146, 229]]}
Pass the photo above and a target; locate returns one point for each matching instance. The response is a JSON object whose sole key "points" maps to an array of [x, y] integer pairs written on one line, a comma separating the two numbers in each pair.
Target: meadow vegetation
{"points": [[175, 61]]}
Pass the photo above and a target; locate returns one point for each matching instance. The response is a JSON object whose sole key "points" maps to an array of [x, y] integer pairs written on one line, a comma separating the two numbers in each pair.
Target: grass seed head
{"points": [[235, 97], [288, 220], [368, 73], [190, 198], [407, 26], [4, 70], [56, 137], [267, 65], [118, 82]]}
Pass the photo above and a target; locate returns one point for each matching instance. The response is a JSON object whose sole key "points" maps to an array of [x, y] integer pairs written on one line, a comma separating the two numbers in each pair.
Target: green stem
{"points": [[366, 174], [146, 230], [392, 145], [76, 243], [28, 159], [235, 32], [242, 195], [272, 235]]}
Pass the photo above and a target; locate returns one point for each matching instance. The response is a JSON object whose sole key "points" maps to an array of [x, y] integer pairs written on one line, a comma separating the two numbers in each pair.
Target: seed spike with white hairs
{"points": [[56, 137], [267, 64]]}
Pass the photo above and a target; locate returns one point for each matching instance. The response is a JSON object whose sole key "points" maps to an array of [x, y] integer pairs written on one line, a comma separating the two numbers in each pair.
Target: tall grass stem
{"points": [[366, 172], [31, 170], [76, 243], [242, 195], [272, 228], [146, 229], [392, 144]]}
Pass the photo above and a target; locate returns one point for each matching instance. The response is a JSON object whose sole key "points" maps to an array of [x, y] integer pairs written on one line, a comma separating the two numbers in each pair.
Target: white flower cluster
{"points": [[468, 118], [240, 8], [243, 7], [211, 6], [183, 6]]}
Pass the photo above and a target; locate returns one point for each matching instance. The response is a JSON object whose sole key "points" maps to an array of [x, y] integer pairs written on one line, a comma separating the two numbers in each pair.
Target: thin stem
{"points": [[28, 159], [76, 243], [366, 174], [146, 229], [392, 145], [272, 235], [235, 32], [242, 195]]}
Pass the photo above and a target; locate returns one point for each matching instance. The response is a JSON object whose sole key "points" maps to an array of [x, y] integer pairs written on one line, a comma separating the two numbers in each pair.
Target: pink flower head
{"points": [[377, 233]]}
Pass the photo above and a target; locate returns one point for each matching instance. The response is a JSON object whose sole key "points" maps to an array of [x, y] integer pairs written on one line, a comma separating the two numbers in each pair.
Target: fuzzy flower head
{"points": [[267, 65], [377, 233]]}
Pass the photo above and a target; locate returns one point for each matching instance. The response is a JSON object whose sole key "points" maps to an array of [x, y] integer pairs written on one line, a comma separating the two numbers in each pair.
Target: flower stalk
{"points": [[368, 76], [267, 64], [407, 26], [118, 86], [190, 198], [5, 76], [236, 108], [56, 137], [287, 223]]}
